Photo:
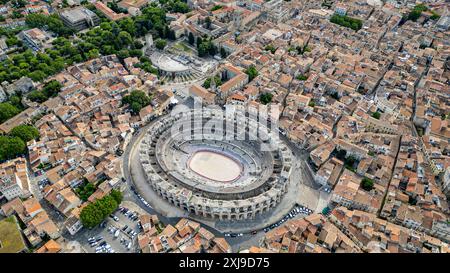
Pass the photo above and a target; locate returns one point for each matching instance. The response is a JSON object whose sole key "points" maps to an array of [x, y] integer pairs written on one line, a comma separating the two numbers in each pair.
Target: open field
{"points": [[11, 240]]}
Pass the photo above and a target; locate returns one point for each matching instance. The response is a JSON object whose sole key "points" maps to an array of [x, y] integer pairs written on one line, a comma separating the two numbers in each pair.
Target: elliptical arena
{"points": [[223, 173]]}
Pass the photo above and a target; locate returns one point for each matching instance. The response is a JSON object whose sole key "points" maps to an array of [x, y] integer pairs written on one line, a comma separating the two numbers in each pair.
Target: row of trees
{"points": [[146, 65], [345, 21], [207, 82], [14, 143], [205, 47], [7, 111], [52, 23], [94, 213], [50, 89]]}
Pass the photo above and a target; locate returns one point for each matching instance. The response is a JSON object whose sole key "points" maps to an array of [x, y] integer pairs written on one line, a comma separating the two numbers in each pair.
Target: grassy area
{"points": [[420, 131], [181, 46], [11, 240]]}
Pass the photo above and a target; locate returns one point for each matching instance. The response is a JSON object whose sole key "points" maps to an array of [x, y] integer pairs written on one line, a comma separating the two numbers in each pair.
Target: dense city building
{"points": [[225, 126]]}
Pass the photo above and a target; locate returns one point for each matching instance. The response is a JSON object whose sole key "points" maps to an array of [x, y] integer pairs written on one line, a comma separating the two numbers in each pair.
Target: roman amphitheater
{"points": [[178, 68], [211, 173]]}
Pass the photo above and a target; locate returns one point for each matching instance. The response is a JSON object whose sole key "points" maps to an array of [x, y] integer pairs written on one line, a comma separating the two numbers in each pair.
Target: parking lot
{"points": [[117, 234], [297, 210]]}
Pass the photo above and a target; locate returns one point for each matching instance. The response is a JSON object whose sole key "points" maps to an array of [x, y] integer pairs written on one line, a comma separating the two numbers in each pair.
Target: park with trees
{"points": [[14, 143], [94, 213], [136, 100], [346, 21]]}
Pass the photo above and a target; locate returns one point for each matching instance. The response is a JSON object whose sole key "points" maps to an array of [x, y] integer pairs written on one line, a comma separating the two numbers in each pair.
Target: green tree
{"points": [[208, 22], [207, 82], [7, 111], [37, 75], [203, 50], [25, 132], [16, 101], [434, 16], [367, 184], [123, 54], [94, 213], [117, 195], [414, 15], [199, 41], [171, 34], [191, 38], [136, 100], [346, 21], [223, 53], [124, 39], [37, 96], [416, 12], [11, 147], [135, 53], [376, 115], [265, 98], [128, 25], [138, 44], [160, 44], [85, 191], [270, 48], [251, 72], [50, 89], [93, 53]]}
